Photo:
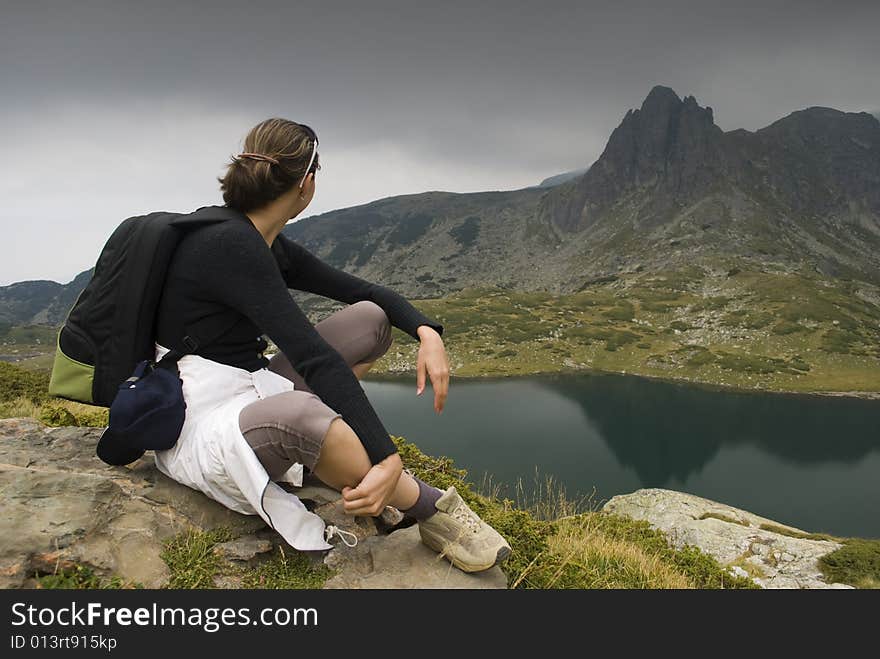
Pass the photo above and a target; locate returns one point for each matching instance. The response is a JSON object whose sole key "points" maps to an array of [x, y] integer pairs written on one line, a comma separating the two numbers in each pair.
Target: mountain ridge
{"points": [[670, 190]]}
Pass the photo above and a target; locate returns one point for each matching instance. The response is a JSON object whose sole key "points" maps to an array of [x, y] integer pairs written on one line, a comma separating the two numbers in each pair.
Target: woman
{"points": [[252, 421]]}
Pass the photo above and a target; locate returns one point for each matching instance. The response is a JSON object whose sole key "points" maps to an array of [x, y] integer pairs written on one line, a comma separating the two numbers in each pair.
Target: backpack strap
{"points": [[192, 345]]}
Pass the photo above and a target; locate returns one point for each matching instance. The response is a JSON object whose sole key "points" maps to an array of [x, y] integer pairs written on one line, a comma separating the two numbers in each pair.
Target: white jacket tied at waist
{"points": [[212, 455]]}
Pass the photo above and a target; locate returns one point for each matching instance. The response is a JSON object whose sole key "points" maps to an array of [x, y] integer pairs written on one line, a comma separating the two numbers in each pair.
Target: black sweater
{"points": [[224, 279]]}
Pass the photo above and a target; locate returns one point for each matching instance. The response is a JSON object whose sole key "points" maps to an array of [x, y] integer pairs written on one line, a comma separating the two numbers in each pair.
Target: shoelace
{"points": [[463, 514], [332, 530]]}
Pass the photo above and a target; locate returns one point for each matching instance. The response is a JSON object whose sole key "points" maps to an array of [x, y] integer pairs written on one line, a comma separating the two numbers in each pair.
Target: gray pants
{"points": [[290, 427]]}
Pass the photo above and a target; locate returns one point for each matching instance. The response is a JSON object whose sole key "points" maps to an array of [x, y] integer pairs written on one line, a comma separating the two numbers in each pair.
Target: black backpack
{"points": [[111, 327]]}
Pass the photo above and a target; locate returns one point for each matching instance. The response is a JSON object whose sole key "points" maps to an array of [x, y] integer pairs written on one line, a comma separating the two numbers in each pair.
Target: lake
{"points": [[808, 461]]}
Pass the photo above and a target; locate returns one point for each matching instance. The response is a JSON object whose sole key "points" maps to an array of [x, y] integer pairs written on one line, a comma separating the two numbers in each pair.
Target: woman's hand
{"points": [[432, 362], [373, 492]]}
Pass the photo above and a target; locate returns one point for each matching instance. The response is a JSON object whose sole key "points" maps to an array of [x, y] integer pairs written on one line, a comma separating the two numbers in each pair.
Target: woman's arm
{"points": [[236, 267], [304, 271]]}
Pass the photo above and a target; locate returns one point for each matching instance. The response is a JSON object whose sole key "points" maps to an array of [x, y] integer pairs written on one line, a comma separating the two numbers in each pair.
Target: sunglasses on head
{"points": [[312, 159]]}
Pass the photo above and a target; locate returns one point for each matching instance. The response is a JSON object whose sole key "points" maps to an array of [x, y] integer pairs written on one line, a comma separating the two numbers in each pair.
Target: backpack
{"points": [[111, 326]]}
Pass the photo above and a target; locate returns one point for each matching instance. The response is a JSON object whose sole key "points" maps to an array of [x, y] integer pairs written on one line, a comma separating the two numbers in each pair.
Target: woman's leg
{"points": [[343, 462], [360, 333], [298, 427]]}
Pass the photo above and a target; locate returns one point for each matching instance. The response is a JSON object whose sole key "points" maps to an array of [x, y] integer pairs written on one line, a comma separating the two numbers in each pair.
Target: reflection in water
{"points": [[809, 461], [665, 430]]}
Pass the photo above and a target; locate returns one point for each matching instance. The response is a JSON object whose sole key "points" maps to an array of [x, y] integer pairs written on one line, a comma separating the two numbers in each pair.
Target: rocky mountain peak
{"points": [[670, 145], [665, 131], [659, 98]]}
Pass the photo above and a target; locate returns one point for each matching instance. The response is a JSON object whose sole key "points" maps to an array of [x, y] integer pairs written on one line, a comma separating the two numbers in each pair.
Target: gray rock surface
{"points": [[61, 506], [244, 548], [400, 560], [732, 536]]}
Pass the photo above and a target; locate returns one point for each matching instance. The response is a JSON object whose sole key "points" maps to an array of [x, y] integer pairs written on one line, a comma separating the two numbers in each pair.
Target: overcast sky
{"points": [[112, 109]]}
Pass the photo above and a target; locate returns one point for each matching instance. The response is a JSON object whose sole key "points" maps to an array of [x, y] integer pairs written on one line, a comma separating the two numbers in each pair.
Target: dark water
{"points": [[808, 461]]}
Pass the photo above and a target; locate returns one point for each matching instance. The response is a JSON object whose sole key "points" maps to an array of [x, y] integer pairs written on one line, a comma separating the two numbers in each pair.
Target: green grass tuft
{"points": [[193, 563], [17, 382], [856, 563], [190, 557], [82, 577], [791, 533], [723, 518], [286, 570]]}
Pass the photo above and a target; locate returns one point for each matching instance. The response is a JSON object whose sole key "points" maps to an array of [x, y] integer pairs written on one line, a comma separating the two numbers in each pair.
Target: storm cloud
{"points": [[112, 109]]}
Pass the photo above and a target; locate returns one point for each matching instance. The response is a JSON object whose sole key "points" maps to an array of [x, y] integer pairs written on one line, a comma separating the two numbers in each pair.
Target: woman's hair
{"points": [[251, 183]]}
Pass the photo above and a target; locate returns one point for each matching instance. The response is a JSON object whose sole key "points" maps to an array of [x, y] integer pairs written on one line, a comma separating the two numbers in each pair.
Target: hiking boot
{"points": [[456, 532]]}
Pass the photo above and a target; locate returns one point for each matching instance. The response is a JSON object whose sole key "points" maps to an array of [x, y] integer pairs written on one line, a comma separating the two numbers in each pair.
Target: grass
{"points": [[190, 557], [723, 326], [81, 577], [557, 544], [782, 530], [19, 383], [752, 330], [286, 570], [856, 563], [24, 393], [723, 518], [194, 564], [601, 550]]}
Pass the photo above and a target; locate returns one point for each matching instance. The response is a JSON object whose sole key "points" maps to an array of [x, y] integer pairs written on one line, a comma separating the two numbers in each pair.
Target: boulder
{"points": [[62, 506], [732, 536]]}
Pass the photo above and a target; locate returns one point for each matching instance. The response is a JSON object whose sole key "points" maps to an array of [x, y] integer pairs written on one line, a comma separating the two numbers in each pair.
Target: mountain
{"points": [[670, 191], [559, 179], [672, 188], [39, 302]]}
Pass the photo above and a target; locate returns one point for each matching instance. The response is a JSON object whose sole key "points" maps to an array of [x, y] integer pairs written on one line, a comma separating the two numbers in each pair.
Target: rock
{"points": [[737, 571], [391, 516], [227, 581], [730, 535], [243, 548], [333, 513], [401, 560], [313, 491], [62, 506]]}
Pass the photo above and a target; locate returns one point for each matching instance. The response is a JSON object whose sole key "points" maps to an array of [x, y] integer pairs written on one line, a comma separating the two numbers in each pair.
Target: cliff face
{"points": [[819, 161], [805, 189], [669, 147]]}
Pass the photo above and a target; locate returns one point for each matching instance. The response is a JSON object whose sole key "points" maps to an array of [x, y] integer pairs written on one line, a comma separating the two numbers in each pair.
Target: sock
{"points": [[423, 508]]}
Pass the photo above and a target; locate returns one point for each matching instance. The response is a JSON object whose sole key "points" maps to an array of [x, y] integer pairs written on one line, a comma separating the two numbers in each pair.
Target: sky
{"points": [[113, 109]]}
